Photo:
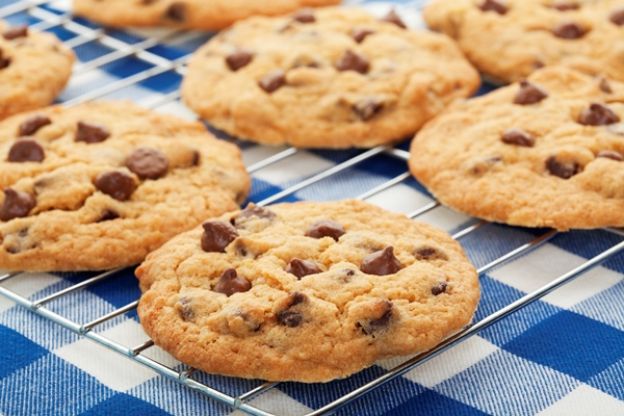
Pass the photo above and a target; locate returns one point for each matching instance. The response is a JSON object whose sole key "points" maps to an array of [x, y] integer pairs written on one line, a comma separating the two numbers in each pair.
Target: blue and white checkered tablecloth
{"points": [[562, 355]]}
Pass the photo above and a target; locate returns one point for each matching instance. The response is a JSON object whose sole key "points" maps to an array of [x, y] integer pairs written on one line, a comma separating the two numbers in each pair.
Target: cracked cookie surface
{"points": [[100, 185], [510, 39], [332, 77], [547, 152], [197, 14], [34, 68], [305, 291]]}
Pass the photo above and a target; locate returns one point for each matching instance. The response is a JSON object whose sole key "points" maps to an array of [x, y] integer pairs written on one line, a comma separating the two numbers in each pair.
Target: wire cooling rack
{"points": [[78, 33]]}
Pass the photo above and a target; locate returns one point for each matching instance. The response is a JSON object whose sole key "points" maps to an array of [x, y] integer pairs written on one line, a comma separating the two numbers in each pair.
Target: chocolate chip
{"points": [[91, 133], [605, 86], [33, 124], [302, 268], [186, 311], [611, 154], [529, 94], [230, 283], [148, 163], [380, 323], [118, 185], [569, 31], [217, 236], [429, 253], [566, 6], [17, 204], [239, 59], [273, 81], [394, 18], [598, 115], [326, 228], [296, 298], [368, 108], [564, 170], [351, 61], [26, 150], [5, 61], [108, 215], [304, 16], [290, 319], [518, 137], [439, 288], [176, 12], [497, 6], [252, 211], [617, 17], [15, 32], [381, 262], [359, 34]]}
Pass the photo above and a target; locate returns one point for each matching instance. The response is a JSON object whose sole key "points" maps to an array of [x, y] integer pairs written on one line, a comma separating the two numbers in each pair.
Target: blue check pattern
{"points": [[562, 355]]}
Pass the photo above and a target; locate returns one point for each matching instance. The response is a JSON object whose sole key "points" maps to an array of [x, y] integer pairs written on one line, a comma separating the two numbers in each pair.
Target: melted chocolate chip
{"points": [[611, 154], [380, 323], [290, 319], [326, 228], [496, 6], [569, 31], [176, 12], [304, 16], [296, 298], [429, 253], [118, 185], [394, 18], [564, 170], [381, 262], [359, 34], [302, 268], [26, 150], [351, 61], [217, 236], [518, 137], [186, 311], [617, 17], [16, 204], [108, 215], [368, 108], [4, 60], [33, 124], [439, 288], [529, 94], [91, 133], [598, 115], [273, 81], [566, 6], [239, 59], [253, 211], [15, 32], [230, 283], [148, 163]]}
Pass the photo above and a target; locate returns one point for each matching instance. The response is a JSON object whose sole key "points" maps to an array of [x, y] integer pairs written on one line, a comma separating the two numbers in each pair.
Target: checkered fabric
{"points": [[562, 355]]}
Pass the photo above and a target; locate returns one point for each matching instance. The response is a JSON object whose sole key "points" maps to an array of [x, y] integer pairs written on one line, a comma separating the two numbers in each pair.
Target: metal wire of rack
{"points": [[83, 34]]}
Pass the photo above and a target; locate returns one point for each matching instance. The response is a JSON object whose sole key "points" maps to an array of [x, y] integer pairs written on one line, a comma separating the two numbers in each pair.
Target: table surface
{"points": [[563, 354]]}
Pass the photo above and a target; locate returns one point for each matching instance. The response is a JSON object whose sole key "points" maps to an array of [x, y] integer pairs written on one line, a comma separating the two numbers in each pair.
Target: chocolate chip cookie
{"points": [[332, 77], [545, 152], [34, 68], [100, 185], [198, 14], [509, 39], [305, 291]]}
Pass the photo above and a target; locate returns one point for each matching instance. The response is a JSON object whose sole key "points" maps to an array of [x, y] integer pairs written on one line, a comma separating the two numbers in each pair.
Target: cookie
{"points": [[510, 39], [305, 291], [34, 68], [100, 185], [197, 14], [329, 78], [546, 152]]}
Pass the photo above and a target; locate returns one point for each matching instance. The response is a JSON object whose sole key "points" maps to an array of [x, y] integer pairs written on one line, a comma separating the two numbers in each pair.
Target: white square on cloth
{"points": [[585, 400]]}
